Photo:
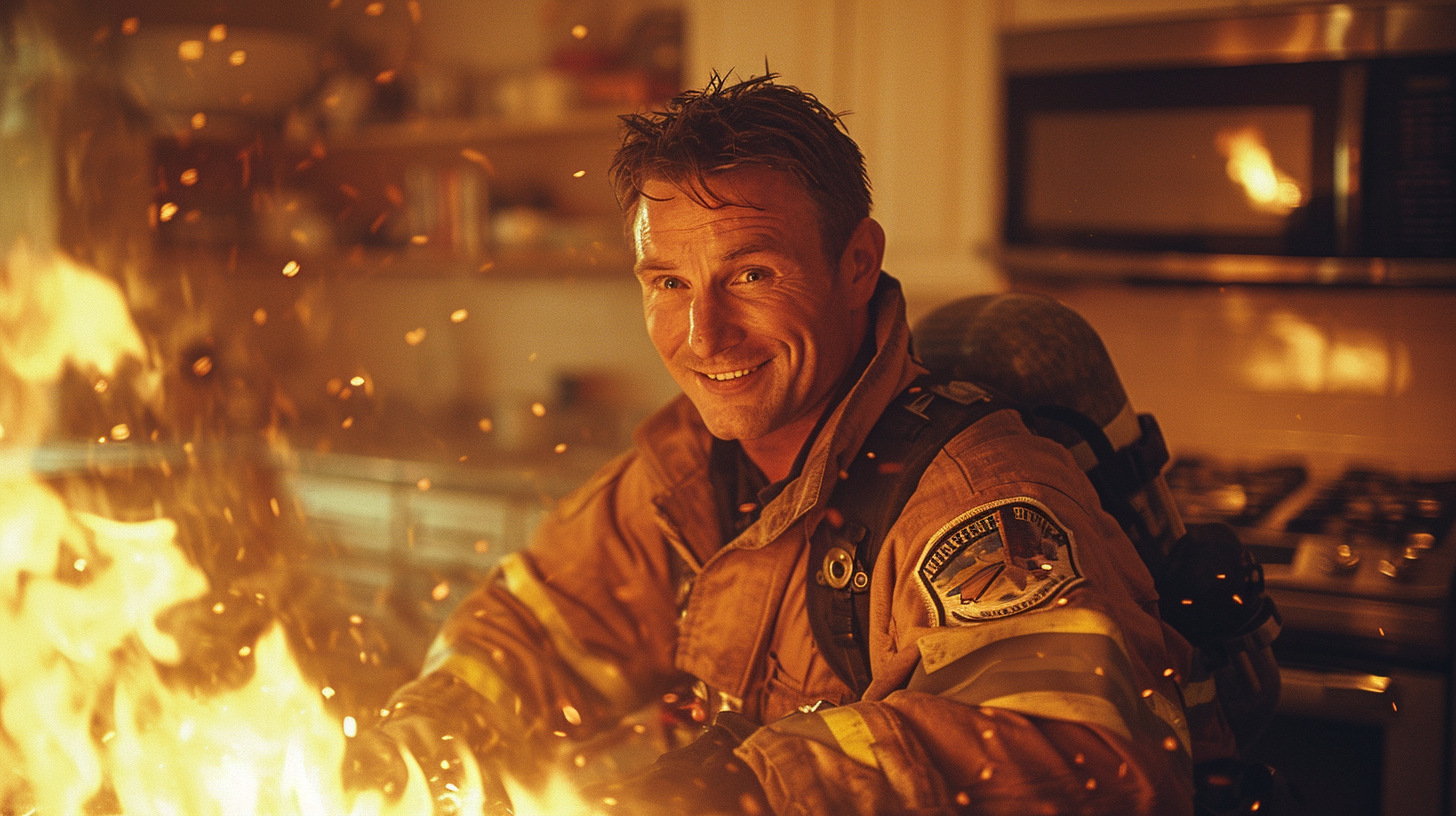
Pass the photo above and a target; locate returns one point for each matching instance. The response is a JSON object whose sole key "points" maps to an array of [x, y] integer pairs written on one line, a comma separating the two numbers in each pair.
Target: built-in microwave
{"points": [[1315, 144]]}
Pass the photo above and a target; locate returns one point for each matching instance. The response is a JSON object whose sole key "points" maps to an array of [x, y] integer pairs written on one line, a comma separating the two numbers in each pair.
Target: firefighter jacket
{"points": [[1019, 665]]}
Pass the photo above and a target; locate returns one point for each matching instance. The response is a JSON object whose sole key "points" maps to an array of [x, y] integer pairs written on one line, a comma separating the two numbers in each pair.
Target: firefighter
{"points": [[1017, 659]]}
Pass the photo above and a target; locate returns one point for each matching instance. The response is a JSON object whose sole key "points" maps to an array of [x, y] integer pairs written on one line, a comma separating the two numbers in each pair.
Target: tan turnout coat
{"points": [[1043, 683]]}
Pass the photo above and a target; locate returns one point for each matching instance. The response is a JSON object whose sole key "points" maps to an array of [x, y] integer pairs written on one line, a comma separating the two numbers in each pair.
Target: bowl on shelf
{"points": [[182, 70]]}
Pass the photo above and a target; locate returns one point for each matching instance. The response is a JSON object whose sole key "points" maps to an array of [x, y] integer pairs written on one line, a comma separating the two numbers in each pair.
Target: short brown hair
{"points": [[752, 122]]}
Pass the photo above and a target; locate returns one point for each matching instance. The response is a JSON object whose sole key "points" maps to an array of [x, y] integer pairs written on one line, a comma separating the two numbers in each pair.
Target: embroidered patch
{"points": [[996, 560]]}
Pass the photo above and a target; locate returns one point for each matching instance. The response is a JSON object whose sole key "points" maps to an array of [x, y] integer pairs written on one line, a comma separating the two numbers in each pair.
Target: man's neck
{"points": [[775, 454]]}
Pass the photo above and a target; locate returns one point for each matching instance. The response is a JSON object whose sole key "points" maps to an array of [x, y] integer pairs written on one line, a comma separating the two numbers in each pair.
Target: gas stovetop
{"points": [[1366, 553]]}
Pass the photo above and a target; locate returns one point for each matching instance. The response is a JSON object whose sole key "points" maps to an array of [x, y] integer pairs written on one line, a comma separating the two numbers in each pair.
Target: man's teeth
{"points": [[731, 375]]}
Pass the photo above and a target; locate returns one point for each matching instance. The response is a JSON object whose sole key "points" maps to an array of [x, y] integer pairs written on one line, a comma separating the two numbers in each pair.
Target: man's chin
{"points": [[740, 422]]}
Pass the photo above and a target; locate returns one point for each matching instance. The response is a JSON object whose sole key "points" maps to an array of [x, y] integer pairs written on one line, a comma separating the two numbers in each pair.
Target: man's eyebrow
{"points": [[763, 244], [652, 265], [751, 248]]}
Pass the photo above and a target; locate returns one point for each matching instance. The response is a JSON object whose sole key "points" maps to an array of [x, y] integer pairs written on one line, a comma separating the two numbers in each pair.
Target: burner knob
{"points": [[1399, 569], [1344, 559]]}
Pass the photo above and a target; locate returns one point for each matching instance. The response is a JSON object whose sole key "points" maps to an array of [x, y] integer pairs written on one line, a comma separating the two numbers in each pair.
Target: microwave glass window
{"points": [[1235, 171]]}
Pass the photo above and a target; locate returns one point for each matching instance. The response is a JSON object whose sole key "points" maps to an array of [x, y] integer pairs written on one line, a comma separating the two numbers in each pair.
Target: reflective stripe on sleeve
{"points": [[1062, 664], [841, 728], [474, 671], [603, 675]]}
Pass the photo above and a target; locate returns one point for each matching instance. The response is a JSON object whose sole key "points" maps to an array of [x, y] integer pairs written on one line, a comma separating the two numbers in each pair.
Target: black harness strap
{"points": [[867, 501]]}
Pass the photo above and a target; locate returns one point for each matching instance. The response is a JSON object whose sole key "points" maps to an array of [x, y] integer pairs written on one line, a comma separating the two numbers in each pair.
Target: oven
{"points": [[1360, 562]]}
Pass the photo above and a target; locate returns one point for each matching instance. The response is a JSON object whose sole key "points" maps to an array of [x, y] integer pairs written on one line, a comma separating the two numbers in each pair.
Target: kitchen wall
{"points": [[1329, 376]]}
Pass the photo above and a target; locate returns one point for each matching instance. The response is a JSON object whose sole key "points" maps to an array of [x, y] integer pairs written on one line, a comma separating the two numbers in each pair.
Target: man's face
{"points": [[752, 321]]}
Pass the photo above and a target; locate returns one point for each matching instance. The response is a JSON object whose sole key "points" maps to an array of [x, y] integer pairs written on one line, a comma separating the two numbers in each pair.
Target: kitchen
{"points": [[441, 375]]}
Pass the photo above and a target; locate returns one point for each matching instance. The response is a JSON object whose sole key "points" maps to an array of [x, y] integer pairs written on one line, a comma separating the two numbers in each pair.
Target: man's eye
{"points": [[670, 283], [752, 275]]}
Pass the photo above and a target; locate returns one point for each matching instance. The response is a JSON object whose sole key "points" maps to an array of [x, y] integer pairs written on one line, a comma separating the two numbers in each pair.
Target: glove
{"points": [[704, 777], [372, 761], [440, 735]]}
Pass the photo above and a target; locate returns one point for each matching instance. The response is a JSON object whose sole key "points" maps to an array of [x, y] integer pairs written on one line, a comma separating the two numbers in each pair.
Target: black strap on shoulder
{"points": [[867, 501], [1118, 474]]}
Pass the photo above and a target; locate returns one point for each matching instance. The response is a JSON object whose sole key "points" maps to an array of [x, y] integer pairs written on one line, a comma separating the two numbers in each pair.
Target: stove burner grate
{"points": [[1382, 506], [1207, 491]]}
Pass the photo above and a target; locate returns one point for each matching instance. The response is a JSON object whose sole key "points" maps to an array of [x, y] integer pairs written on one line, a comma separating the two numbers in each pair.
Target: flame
{"points": [[71, 315], [558, 797], [93, 719], [99, 563], [1251, 166]]}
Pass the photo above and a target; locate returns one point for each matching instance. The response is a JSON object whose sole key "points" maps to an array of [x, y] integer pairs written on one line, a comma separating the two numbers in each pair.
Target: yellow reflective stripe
{"points": [[1062, 705], [1061, 663], [852, 733], [1200, 691], [603, 675], [951, 643], [476, 673], [842, 728]]}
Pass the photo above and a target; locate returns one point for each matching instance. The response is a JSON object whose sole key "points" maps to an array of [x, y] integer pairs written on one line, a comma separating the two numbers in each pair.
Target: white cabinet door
{"points": [[919, 81]]}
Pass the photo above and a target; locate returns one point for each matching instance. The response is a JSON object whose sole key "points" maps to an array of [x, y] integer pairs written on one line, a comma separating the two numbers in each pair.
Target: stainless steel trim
{"points": [[1058, 263], [1252, 36], [1333, 32], [1419, 27], [1342, 695], [1349, 141]]}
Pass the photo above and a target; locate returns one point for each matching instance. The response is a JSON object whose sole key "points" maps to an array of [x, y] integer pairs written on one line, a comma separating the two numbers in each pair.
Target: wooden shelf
{"points": [[408, 262], [511, 263], [416, 133]]}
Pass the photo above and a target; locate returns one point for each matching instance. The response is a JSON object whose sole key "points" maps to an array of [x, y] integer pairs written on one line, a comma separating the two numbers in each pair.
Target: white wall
{"points": [[919, 81]]}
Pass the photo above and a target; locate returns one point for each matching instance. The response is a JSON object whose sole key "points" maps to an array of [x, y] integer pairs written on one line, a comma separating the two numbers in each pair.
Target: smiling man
{"points": [[753, 317], [1016, 663]]}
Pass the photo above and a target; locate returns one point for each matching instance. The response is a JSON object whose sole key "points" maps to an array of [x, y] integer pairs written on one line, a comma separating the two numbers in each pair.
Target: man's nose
{"points": [[713, 325]]}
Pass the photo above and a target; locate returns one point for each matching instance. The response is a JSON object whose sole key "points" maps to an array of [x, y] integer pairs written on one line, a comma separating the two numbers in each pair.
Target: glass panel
{"points": [[1333, 767], [1178, 171]]}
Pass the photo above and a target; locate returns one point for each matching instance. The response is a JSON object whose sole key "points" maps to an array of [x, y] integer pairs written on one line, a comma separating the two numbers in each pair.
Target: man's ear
{"points": [[859, 266]]}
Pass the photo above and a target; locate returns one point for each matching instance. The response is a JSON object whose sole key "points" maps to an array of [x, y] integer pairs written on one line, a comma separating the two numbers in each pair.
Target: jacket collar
{"points": [[675, 442]]}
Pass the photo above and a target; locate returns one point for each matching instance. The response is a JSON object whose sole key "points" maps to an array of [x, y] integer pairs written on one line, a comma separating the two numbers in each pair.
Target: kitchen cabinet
{"points": [[418, 197], [417, 147], [421, 535], [917, 81], [471, 195]]}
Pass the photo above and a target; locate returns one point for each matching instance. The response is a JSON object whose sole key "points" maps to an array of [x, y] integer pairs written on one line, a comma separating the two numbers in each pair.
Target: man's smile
{"points": [[731, 375]]}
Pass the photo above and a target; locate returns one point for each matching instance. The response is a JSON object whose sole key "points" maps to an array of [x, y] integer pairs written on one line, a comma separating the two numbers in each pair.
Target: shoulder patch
{"points": [[996, 560]]}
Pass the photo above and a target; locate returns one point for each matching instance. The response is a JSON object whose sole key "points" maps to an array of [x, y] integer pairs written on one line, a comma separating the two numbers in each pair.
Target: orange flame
{"points": [[1251, 166], [89, 722]]}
